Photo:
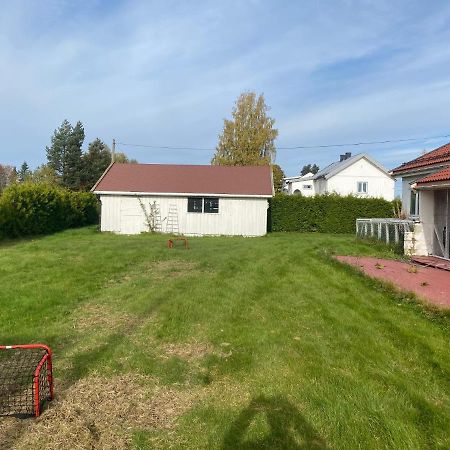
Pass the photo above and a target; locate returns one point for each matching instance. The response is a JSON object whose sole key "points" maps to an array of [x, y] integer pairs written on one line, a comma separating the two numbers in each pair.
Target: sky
{"points": [[167, 73]]}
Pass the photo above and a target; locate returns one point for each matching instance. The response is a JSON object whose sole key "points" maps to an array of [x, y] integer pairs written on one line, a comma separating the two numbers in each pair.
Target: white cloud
{"points": [[167, 73]]}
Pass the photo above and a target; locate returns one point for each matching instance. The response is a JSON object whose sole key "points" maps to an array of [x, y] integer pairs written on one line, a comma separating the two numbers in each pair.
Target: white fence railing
{"points": [[391, 231]]}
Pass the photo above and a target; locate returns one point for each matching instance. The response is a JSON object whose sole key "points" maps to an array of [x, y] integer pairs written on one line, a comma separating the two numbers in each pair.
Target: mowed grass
{"points": [[262, 343]]}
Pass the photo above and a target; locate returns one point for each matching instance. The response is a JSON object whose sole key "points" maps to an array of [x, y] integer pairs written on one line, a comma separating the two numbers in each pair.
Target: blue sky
{"points": [[168, 73]]}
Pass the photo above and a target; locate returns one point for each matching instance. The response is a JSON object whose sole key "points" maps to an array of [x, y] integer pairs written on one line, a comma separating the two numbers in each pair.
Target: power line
{"points": [[297, 147], [164, 147]]}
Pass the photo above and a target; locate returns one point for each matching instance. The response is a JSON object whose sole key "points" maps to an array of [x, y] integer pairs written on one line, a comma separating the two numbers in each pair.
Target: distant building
{"points": [[302, 184], [358, 175]]}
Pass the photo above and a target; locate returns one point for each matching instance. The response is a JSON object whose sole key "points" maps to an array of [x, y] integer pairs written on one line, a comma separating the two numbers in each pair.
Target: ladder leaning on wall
{"points": [[172, 220]]}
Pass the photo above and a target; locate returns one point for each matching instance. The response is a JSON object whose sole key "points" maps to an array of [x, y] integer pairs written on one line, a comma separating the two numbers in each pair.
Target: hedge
{"points": [[33, 209], [325, 213]]}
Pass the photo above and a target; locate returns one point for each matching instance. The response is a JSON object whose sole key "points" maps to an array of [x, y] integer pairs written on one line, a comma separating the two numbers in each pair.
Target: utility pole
{"points": [[113, 151]]}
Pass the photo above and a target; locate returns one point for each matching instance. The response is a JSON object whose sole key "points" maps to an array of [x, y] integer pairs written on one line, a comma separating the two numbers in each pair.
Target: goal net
{"points": [[26, 380]]}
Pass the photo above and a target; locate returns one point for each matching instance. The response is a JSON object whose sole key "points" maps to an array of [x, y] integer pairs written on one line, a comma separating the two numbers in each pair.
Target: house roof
{"points": [[186, 179], [336, 167], [443, 175], [306, 177], [439, 155]]}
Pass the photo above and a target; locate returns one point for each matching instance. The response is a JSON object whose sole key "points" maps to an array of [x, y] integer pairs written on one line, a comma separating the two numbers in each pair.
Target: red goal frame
{"points": [[44, 362]]}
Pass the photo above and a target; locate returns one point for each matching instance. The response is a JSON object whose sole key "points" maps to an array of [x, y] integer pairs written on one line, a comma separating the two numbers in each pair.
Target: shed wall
{"points": [[236, 217]]}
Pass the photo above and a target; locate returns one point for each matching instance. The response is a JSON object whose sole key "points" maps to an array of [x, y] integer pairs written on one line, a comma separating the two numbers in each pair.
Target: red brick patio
{"points": [[428, 283]]}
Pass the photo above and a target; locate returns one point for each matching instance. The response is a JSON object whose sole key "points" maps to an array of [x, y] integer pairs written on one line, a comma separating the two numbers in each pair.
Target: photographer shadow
{"points": [[288, 428]]}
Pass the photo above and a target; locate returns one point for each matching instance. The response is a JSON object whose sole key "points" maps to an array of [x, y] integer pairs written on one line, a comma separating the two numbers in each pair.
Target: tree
{"points": [[24, 173], [247, 139], [278, 176], [95, 162], [64, 154], [44, 174], [120, 157], [74, 163], [309, 168], [8, 175], [56, 153]]}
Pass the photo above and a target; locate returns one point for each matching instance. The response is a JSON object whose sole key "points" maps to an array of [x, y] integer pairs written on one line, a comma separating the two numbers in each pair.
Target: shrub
{"points": [[325, 213], [33, 209]]}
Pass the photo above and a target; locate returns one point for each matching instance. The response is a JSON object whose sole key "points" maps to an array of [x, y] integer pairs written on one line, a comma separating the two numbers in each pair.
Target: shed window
{"points": [[362, 187], [195, 204], [307, 186], [203, 204], [211, 205]]}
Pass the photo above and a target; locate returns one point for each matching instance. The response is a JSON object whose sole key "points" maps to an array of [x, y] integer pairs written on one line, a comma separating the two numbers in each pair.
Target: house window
{"points": [[307, 186], [362, 187], [203, 204], [211, 205], [414, 203], [195, 204]]}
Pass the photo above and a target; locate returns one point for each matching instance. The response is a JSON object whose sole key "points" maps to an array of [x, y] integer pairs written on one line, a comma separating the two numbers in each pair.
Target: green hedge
{"points": [[33, 209], [324, 213]]}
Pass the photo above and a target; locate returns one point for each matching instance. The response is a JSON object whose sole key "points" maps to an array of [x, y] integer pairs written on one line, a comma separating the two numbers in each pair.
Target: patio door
{"points": [[441, 245]]}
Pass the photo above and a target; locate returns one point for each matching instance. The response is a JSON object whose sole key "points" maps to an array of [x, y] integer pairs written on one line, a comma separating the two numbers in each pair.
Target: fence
{"points": [[391, 231]]}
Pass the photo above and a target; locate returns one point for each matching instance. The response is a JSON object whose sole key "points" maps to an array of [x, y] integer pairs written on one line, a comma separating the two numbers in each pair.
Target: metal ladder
{"points": [[172, 220], [157, 217]]}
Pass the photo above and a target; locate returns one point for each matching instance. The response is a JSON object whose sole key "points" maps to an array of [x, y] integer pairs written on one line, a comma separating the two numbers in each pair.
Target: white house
{"points": [[185, 199], [302, 184], [358, 175], [425, 199]]}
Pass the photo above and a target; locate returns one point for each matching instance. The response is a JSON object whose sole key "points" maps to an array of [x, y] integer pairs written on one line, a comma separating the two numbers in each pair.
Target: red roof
{"points": [[439, 155], [186, 179], [443, 175]]}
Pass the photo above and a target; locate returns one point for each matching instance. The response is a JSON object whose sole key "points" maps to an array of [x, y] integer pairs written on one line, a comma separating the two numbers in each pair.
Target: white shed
{"points": [[192, 200]]}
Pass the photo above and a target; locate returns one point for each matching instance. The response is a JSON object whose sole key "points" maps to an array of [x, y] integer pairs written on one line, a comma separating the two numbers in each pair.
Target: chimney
{"points": [[345, 156]]}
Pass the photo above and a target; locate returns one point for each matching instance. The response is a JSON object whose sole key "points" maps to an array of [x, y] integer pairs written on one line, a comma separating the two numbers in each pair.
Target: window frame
{"points": [[193, 200], [210, 210], [415, 203], [362, 184], [202, 210]]}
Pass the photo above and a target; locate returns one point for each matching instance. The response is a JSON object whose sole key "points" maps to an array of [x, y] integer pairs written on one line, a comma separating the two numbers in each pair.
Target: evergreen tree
{"points": [[249, 138], [56, 153], [73, 158], [64, 155], [95, 162], [24, 173]]}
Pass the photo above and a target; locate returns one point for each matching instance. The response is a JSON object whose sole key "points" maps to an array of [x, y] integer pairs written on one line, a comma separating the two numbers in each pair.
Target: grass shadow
{"points": [[288, 428]]}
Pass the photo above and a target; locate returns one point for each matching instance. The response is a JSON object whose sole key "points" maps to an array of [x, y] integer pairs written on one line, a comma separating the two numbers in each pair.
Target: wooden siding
{"points": [[237, 216]]}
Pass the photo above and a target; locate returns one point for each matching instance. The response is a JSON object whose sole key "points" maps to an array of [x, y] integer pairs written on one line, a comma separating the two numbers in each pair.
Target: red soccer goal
{"points": [[26, 380]]}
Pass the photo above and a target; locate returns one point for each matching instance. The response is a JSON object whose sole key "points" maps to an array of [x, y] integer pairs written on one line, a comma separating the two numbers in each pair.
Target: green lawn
{"points": [[236, 343]]}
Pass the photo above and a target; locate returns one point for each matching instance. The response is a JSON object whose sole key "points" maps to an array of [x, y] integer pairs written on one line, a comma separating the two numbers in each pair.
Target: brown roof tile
{"points": [[443, 175], [439, 155], [188, 179]]}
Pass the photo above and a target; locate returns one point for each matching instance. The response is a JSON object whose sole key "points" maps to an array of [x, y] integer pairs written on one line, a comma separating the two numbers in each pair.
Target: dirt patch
{"points": [[10, 430], [172, 269], [187, 350], [101, 413], [99, 316]]}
